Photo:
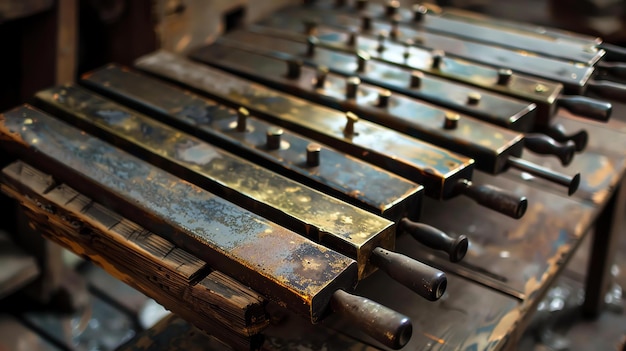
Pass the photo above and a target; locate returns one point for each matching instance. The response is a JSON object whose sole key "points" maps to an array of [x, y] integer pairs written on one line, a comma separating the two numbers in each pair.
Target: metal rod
{"points": [[571, 182]]}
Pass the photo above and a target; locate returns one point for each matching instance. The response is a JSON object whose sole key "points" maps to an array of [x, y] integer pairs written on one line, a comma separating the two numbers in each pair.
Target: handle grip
{"points": [[544, 145], [557, 132], [389, 327], [613, 52], [436, 239], [571, 182], [586, 107], [428, 282], [615, 69], [607, 89], [494, 198]]}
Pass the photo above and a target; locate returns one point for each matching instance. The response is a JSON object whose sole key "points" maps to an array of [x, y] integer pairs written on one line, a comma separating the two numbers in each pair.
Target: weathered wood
{"points": [[437, 169], [178, 280], [18, 267], [349, 230], [278, 263], [337, 174]]}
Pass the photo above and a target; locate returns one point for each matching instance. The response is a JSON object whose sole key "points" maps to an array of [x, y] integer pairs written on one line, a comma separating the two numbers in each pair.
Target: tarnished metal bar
{"points": [[438, 170], [489, 145], [464, 61], [359, 180], [329, 170], [492, 107], [419, 17], [286, 267], [338, 225]]}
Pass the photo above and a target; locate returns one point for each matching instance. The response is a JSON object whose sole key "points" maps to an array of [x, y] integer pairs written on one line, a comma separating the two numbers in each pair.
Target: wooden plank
{"points": [[173, 277], [278, 263]]}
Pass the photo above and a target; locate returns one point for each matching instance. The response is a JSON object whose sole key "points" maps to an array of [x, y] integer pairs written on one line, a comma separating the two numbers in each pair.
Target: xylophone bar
{"points": [[284, 266], [441, 172]]}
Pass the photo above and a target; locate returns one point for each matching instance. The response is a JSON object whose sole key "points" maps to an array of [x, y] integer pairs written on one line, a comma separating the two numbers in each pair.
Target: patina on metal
{"points": [[419, 17], [441, 172], [284, 266], [412, 50], [348, 178], [145, 92], [494, 148]]}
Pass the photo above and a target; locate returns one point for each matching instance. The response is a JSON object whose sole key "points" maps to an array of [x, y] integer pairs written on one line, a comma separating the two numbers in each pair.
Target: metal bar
{"points": [[360, 183], [419, 17], [278, 263], [435, 168], [487, 144]]}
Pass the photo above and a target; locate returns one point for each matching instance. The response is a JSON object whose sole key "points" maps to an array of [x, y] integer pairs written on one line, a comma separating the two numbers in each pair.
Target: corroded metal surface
{"points": [[341, 175], [278, 263], [483, 32], [493, 107], [437, 169], [349, 230], [489, 145]]}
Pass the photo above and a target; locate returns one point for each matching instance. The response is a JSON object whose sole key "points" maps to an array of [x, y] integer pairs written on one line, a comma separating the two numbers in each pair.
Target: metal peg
{"points": [[320, 77], [383, 98], [419, 11], [242, 117], [362, 57], [313, 151], [437, 56], [311, 44], [273, 138], [416, 80], [451, 120], [504, 76], [352, 87], [473, 98], [382, 36], [351, 119], [391, 9], [352, 38], [366, 23], [294, 69]]}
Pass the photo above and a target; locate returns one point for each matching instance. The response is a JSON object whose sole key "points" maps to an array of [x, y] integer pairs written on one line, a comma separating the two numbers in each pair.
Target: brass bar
{"points": [[487, 144], [435, 168], [433, 22], [145, 93], [360, 183], [349, 230], [282, 265]]}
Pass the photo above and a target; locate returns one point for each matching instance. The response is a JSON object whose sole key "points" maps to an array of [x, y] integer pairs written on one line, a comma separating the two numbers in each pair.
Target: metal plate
{"points": [[280, 264], [487, 144], [513, 40], [338, 174], [349, 230], [437, 169]]}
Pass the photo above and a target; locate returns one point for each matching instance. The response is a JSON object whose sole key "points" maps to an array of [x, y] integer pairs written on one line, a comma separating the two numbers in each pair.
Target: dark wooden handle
{"points": [[614, 69], [428, 282], [587, 107], [494, 198], [389, 327], [607, 89], [435, 238], [545, 145], [557, 132]]}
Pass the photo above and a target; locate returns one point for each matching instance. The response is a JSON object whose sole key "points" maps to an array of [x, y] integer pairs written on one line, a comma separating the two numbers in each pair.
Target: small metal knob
{"points": [[504, 76], [437, 56], [366, 23], [242, 117], [294, 68], [351, 119], [313, 151], [310, 27], [451, 120], [320, 77], [473, 98], [311, 44], [419, 11], [352, 38], [352, 87], [416, 80], [273, 138], [382, 36], [383, 98], [362, 58], [407, 48], [391, 9]]}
